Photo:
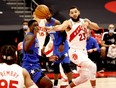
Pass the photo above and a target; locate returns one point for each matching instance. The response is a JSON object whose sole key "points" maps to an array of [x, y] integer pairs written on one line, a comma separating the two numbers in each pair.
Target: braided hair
{"points": [[8, 54]]}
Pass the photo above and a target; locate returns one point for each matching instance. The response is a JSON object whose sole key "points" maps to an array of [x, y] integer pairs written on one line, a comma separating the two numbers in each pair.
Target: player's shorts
{"points": [[34, 70], [63, 53], [78, 56], [64, 60]]}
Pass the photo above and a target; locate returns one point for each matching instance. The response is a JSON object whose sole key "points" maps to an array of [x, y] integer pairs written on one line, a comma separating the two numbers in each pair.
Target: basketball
{"points": [[42, 11]]}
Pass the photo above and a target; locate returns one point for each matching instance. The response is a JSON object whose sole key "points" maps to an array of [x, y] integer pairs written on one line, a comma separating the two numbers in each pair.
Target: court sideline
{"points": [[104, 80]]}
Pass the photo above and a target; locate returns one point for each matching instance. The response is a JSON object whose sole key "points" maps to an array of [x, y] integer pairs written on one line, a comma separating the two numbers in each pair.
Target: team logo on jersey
{"points": [[75, 56]]}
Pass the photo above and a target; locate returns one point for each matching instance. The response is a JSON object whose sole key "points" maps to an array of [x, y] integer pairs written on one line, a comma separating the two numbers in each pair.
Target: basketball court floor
{"points": [[104, 80]]}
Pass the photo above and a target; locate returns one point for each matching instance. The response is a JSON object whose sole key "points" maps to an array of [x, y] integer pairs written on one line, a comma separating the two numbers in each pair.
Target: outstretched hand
{"points": [[53, 58], [46, 29]]}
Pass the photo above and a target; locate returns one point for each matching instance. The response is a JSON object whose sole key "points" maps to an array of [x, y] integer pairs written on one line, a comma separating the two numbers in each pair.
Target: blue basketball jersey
{"points": [[58, 39], [31, 60], [32, 54]]}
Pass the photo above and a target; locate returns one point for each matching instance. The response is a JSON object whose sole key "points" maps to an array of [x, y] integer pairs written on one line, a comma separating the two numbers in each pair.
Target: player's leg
{"points": [[63, 75], [93, 70], [56, 74], [84, 76], [67, 71], [44, 82]]}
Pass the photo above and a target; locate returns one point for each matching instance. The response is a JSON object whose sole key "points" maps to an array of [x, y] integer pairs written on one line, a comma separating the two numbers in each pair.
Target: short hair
{"points": [[8, 54], [72, 7], [31, 22]]}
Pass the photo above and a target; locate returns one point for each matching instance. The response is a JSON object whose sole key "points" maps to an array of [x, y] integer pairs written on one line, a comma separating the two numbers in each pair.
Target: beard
{"points": [[75, 20], [49, 19]]}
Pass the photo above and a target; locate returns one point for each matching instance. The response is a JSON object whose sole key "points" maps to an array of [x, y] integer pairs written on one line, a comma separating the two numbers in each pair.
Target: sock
{"points": [[55, 82], [70, 81]]}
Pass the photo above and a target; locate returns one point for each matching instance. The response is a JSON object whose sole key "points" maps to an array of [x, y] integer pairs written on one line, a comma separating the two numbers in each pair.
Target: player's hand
{"points": [[47, 29], [43, 51], [43, 29], [53, 58], [35, 30], [87, 22], [61, 48]]}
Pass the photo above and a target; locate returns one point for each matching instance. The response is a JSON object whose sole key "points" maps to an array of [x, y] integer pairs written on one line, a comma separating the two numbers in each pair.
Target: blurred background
{"points": [[14, 12]]}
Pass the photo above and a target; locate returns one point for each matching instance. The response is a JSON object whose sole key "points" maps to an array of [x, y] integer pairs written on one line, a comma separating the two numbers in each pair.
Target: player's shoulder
{"points": [[56, 21], [16, 66], [82, 20], [68, 21]]}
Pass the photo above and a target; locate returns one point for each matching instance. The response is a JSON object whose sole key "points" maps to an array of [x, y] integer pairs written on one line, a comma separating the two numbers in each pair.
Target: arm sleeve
{"points": [[47, 40], [64, 36]]}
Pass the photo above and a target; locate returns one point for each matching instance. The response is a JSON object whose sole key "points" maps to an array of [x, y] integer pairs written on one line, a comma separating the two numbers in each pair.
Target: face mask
{"points": [[25, 27], [111, 31]]}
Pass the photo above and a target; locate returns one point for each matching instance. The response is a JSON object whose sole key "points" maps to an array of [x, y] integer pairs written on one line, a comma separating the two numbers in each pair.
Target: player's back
{"points": [[11, 76]]}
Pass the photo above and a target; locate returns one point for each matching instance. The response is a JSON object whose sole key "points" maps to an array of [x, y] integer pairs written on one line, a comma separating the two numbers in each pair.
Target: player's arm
{"points": [[29, 40], [92, 25], [57, 22], [60, 27], [47, 38], [27, 80]]}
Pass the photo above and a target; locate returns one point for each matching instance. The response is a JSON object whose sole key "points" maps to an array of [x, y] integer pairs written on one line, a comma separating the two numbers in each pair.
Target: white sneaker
{"points": [[74, 71], [64, 79], [101, 71]]}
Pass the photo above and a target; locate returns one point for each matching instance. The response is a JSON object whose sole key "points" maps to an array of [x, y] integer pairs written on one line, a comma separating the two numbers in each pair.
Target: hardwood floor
{"points": [[104, 80]]}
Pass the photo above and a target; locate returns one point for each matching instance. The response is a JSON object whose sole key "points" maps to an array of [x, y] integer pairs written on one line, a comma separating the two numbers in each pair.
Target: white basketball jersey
{"points": [[11, 76], [41, 37], [77, 35]]}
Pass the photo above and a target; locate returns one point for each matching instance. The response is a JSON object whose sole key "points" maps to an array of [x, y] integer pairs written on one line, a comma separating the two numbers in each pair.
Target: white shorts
{"points": [[80, 58]]}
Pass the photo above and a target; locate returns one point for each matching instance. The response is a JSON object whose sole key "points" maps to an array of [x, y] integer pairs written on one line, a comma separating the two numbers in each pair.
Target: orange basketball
{"points": [[42, 11]]}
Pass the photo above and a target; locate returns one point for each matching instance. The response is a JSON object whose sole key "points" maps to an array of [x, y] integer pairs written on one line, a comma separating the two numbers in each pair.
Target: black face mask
{"points": [[49, 19], [75, 20]]}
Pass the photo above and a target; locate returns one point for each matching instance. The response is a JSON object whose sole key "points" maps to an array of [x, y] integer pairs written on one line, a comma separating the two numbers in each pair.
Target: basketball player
{"points": [[76, 29], [60, 49], [31, 57], [11, 74]]}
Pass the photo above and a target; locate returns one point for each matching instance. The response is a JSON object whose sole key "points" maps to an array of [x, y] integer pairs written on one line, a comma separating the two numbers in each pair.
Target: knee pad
{"points": [[56, 68], [66, 67]]}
